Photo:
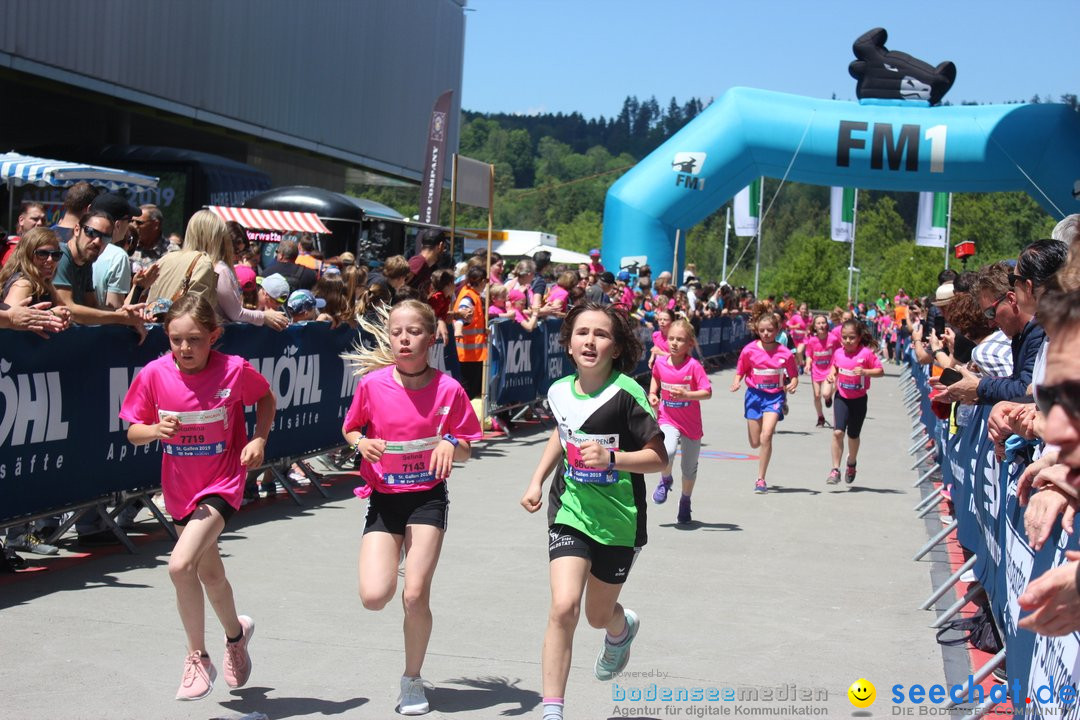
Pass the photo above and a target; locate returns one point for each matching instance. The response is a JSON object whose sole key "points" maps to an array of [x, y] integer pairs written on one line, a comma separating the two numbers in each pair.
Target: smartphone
{"points": [[939, 325], [950, 376], [962, 348]]}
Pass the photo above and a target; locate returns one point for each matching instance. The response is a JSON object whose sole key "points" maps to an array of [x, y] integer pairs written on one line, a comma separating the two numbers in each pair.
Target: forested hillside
{"points": [[552, 172]]}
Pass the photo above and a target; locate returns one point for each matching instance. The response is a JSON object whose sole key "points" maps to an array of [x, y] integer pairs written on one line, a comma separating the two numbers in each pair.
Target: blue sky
{"points": [[529, 56]]}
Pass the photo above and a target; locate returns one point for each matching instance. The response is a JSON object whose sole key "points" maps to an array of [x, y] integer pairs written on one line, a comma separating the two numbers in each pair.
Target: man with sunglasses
{"points": [[112, 268], [1001, 310], [74, 279], [1052, 599]]}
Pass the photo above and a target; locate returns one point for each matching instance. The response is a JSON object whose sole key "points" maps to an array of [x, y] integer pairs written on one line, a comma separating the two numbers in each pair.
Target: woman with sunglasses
{"points": [[1035, 266], [30, 270]]}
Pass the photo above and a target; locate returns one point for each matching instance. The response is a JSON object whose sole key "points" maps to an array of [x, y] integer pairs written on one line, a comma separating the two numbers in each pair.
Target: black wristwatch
{"points": [[611, 462]]}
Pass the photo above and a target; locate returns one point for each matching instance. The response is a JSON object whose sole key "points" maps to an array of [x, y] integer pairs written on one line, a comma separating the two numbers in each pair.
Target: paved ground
{"points": [[803, 590]]}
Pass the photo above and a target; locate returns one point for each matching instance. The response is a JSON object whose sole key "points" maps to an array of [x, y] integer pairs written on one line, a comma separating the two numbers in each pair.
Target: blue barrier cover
{"points": [[62, 441]]}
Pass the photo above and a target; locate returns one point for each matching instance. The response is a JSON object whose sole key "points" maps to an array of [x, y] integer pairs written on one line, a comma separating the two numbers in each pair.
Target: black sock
{"points": [[236, 639]]}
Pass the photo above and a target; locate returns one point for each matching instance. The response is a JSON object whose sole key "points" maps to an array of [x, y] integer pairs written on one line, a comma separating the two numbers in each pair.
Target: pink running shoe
{"points": [[198, 680], [237, 659]]}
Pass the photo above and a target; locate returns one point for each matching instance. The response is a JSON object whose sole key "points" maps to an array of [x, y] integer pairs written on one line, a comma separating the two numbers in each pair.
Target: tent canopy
{"points": [[558, 254], [281, 220], [18, 169]]}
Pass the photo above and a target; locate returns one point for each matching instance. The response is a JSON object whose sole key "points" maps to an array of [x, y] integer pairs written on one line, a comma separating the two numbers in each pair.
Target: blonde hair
{"points": [[497, 290], [685, 325], [368, 358], [206, 232]]}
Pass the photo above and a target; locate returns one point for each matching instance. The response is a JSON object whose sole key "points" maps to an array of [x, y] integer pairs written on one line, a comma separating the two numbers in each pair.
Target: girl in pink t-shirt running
{"points": [[409, 423], [765, 364], [192, 401], [664, 318], [678, 386], [854, 363], [819, 352]]}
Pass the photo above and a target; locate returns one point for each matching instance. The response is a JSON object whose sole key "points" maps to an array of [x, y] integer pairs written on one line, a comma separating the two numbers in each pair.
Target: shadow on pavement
{"points": [[484, 692], [781, 489], [254, 699], [698, 525]]}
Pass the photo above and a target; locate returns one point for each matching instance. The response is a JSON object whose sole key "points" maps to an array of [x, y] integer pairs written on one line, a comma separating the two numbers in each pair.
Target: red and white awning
{"points": [[282, 220]]}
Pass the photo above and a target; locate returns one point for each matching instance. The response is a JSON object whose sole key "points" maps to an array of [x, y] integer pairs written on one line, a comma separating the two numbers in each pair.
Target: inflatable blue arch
{"points": [[898, 145]]}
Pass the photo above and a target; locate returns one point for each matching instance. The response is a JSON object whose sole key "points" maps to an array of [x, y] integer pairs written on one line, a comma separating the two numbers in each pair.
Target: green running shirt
{"points": [[609, 507]]}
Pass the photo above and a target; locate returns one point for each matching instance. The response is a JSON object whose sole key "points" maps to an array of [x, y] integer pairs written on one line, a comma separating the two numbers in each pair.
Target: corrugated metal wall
{"points": [[351, 79]]}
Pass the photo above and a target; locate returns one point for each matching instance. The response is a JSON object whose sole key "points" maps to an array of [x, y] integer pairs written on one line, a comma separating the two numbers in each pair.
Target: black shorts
{"points": [[849, 414], [610, 563], [391, 512], [215, 501]]}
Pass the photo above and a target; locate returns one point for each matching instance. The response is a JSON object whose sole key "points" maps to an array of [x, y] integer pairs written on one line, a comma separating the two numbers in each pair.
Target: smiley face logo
{"points": [[862, 693]]}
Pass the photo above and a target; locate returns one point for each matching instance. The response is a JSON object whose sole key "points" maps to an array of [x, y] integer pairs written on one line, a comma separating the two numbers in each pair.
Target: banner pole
{"points": [[851, 260], [675, 261], [757, 262], [453, 208], [487, 297], [948, 231], [727, 229]]}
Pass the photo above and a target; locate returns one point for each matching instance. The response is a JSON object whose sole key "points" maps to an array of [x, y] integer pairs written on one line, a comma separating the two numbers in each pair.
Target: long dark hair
{"points": [[866, 339], [629, 344]]}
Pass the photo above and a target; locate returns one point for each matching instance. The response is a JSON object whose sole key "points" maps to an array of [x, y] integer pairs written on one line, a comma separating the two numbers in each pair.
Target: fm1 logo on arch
{"points": [[687, 166], [886, 145]]}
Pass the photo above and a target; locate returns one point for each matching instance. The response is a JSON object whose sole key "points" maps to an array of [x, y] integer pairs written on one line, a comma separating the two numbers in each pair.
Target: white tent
{"points": [[17, 169], [558, 254]]}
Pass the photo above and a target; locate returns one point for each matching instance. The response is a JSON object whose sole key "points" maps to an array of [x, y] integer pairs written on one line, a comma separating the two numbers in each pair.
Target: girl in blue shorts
{"points": [[769, 370]]}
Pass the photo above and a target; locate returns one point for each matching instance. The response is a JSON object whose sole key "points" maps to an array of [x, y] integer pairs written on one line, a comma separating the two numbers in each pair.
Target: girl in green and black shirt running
{"points": [[607, 439]]}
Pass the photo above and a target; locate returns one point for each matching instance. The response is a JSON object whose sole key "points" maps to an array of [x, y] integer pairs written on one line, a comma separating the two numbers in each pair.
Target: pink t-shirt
{"points": [[558, 293], [820, 355], [764, 370], [203, 458], [659, 340], [412, 423], [854, 386], [796, 326], [835, 333], [684, 415]]}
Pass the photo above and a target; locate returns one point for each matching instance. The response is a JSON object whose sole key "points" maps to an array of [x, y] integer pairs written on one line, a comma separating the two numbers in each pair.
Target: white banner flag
{"points": [[842, 205], [747, 209], [933, 219]]}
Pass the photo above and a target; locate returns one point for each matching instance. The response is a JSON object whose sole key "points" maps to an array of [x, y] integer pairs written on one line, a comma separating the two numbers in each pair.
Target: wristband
{"points": [[451, 439], [611, 463]]}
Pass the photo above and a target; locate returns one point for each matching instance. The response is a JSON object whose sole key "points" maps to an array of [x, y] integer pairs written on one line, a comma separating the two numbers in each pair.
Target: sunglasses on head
{"points": [[1065, 395], [1013, 277], [95, 234], [53, 255]]}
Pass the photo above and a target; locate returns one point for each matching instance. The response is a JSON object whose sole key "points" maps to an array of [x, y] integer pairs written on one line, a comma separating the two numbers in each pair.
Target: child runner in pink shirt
{"points": [[678, 386], [764, 363], [664, 318], [853, 365], [192, 401], [819, 352], [409, 423]]}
